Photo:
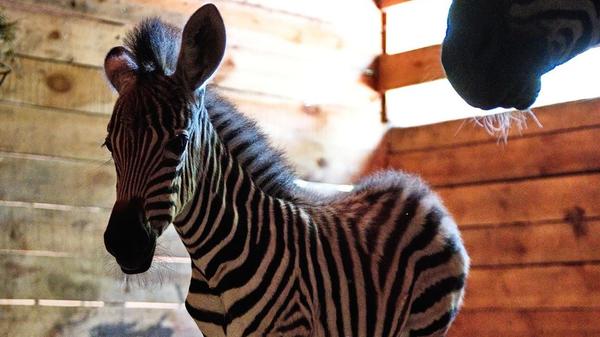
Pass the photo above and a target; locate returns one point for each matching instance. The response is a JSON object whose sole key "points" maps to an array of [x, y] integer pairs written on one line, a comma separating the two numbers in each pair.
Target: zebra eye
{"points": [[177, 145], [108, 145]]}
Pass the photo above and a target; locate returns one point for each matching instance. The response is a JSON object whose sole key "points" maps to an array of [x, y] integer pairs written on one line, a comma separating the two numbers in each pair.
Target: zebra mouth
{"points": [[138, 268]]}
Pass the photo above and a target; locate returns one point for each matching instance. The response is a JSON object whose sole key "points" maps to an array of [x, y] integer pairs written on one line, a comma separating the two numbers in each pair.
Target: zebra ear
{"points": [[120, 68], [202, 47]]}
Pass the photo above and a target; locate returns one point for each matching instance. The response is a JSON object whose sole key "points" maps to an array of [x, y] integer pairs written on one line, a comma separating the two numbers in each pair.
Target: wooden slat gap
{"points": [[548, 264], [279, 11], [219, 88], [19, 104], [58, 11], [495, 140], [55, 61], [526, 310], [388, 3], [537, 223], [517, 179], [54, 10], [67, 255], [44, 157], [29, 205]]}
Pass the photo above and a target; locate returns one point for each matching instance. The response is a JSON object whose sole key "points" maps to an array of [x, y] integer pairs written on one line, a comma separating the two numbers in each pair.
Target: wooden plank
{"points": [[562, 116], [63, 37], [58, 85], [308, 8], [562, 242], [68, 86], [237, 16], [247, 25], [542, 155], [388, 3], [35, 180], [32, 179], [97, 279], [566, 286], [325, 11], [318, 140], [331, 126], [360, 25], [519, 323], [413, 67], [52, 132], [67, 38], [310, 135], [67, 232], [524, 201], [107, 321]]}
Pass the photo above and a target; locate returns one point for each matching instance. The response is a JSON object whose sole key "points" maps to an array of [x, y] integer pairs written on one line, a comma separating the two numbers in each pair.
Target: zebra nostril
{"points": [[127, 237]]}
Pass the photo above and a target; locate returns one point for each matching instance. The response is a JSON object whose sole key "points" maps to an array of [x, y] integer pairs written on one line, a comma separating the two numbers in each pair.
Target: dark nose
{"points": [[127, 237]]}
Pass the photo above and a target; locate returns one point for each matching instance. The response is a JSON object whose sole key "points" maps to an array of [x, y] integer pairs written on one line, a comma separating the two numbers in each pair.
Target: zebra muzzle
{"points": [[128, 238]]}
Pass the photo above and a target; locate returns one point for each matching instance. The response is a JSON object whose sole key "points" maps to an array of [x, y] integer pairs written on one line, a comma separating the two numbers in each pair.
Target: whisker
{"points": [[499, 125], [109, 162]]}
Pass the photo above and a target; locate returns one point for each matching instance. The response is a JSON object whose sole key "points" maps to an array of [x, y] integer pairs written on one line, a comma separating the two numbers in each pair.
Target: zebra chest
{"points": [[208, 312], [213, 324], [211, 315]]}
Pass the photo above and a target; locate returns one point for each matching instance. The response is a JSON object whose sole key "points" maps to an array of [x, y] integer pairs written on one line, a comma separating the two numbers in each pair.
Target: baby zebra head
{"points": [[154, 129]]}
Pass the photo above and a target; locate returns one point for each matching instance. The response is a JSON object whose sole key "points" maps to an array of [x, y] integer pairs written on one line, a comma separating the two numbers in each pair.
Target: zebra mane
{"points": [[155, 46], [251, 147]]}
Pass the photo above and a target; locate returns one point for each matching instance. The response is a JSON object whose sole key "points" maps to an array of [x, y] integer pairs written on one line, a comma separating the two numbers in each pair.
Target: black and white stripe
{"points": [[269, 259]]}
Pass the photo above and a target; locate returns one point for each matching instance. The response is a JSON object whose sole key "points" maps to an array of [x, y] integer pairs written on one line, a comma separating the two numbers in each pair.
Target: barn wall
{"points": [[529, 214], [301, 71], [305, 77]]}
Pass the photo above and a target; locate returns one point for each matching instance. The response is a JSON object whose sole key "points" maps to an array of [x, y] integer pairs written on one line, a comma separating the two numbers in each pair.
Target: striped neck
{"points": [[215, 225]]}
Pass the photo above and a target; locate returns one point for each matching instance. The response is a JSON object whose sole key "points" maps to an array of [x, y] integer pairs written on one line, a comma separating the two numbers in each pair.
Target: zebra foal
{"points": [[268, 259]]}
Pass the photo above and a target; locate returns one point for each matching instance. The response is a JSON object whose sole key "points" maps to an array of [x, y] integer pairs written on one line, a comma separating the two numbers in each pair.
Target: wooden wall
{"points": [[304, 76], [529, 212], [299, 68]]}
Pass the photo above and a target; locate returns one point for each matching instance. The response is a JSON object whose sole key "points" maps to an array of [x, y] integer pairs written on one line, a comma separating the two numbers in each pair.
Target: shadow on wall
{"points": [[130, 330]]}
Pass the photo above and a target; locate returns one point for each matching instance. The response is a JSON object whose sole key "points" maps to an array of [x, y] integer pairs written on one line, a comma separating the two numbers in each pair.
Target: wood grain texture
{"points": [[247, 25], [562, 242], [564, 116], [97, 322], [560, 286], [412, 67], [75, 232], [388, 3], [290, 74], [89, 279], [36, 180], [62, 35], [520, 323], [531, 200], [58, 85], [315, 85], [318, 140], [55, 181], [80, 88], [52, 132], [542, 155], [529, 215]]}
